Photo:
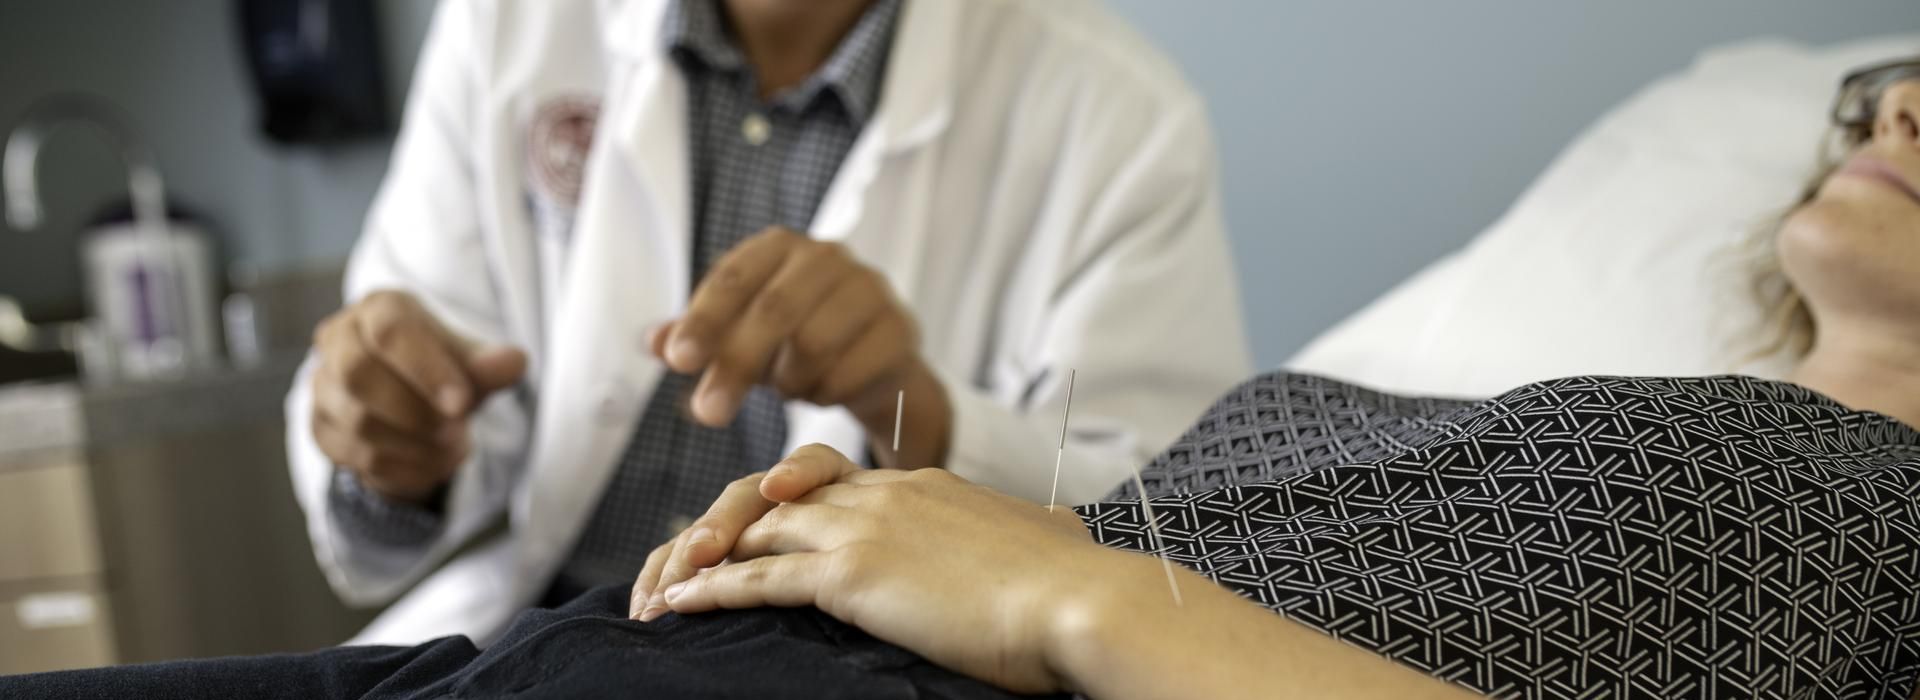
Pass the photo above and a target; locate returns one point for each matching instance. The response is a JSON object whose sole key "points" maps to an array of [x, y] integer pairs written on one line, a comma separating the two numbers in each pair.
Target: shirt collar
{"points": [[695, 30]]}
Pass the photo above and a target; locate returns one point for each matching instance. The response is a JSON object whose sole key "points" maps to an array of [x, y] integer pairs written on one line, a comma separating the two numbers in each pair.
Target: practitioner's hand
{"points": [[806, 318], [971, 578], [393, 390], [706, 542]]}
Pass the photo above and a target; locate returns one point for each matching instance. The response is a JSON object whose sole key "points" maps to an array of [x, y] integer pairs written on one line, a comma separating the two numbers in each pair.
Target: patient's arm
{"points": [[1122, 637], [1006, 591]]}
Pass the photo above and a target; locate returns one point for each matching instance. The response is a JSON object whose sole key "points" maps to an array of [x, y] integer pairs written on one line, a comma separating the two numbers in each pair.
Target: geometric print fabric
{"points": [[1588, 537]]}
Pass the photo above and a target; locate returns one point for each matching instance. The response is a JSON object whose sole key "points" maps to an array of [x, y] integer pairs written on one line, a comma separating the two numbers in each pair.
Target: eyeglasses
{"points": [[1859, 101]]}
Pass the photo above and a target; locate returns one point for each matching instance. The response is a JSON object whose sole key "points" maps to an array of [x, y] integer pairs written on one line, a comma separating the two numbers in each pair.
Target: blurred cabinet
{"points": [[53, 611], [170, 531], [46, 519]]}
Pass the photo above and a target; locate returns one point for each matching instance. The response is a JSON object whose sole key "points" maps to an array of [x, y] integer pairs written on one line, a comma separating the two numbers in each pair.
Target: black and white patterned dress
{"points": [[1582, 537]]}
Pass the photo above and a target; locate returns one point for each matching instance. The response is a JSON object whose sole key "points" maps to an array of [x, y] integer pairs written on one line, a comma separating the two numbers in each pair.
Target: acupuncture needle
{"points": [[1153, 532], [1146, 504], [899, 409], [1061, 451]]}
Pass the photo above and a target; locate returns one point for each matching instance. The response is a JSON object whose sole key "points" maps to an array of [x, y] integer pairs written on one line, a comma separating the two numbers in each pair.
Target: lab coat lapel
{"points": [[627, 271], [915, 106]]}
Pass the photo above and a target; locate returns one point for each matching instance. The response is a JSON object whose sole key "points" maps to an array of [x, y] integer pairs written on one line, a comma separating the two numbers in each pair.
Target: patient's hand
{"points": [[1003, 590], [706, 542], [967, 576]]}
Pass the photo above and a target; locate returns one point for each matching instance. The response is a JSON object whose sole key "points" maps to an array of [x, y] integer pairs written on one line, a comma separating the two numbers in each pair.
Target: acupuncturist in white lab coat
{"points": [[574, 306]]}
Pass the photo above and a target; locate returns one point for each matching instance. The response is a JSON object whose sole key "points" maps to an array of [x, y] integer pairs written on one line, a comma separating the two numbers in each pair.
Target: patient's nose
{"points": [[1899, 117]]}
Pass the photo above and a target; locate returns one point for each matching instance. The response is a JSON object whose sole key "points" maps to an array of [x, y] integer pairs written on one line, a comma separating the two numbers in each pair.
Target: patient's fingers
{"points": [[707, 541], [789, 580], [648, 580], [809, 467], [799, 527], [870, 477]]}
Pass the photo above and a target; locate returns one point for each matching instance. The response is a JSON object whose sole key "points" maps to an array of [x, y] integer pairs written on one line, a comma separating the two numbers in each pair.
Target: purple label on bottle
{"points": [[149, 323]]}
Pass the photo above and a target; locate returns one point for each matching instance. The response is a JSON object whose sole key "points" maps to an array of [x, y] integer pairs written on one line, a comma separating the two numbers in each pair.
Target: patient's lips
{"points": [[1872, 167]]}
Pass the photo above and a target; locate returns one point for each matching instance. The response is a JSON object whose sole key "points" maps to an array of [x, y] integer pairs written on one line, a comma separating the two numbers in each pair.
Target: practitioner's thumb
{"points": [[495, 367]]}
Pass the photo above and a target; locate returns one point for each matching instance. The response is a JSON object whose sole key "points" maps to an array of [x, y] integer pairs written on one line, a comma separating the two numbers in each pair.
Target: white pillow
{"points": [[1620, 258]]}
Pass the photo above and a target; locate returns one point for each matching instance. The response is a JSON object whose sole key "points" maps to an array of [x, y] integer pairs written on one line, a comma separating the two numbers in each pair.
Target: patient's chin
{"points": [[1825, 236], [1850, 255]]}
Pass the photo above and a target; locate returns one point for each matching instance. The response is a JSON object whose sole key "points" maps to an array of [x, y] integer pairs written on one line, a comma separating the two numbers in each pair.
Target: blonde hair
{"points": [[1787, 325]]}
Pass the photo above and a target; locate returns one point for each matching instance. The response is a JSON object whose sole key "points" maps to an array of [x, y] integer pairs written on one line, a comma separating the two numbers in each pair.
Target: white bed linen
{"points": [[1619, 255]]}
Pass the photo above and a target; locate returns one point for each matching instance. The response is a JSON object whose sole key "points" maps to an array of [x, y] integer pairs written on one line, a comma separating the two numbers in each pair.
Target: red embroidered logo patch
{"points": [[558, 143]]}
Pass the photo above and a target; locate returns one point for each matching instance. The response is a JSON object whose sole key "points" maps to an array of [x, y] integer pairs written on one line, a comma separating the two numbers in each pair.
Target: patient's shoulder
{"points": [[1282, 423], [1683, 417]]}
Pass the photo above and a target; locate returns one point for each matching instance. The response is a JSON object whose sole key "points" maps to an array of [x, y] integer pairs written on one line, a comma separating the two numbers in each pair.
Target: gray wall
{"points": [[1360, 139]]}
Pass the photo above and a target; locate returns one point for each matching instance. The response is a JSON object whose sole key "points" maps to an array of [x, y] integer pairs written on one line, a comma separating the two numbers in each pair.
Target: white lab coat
{"points": [[1038, 184]]}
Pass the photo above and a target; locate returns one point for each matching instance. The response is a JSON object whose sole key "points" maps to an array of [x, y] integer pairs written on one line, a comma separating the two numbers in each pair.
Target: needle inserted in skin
{"points": [[1061, 452], [1146, 504], [1153, 533], [899, 409]]}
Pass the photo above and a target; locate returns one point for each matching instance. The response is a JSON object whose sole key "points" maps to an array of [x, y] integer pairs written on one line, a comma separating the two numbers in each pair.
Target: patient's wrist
{"points": [[1100, 612]]}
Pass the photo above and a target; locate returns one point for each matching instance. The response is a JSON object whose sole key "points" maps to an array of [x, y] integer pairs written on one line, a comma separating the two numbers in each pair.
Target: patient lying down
{"points": [[1608, 536]]}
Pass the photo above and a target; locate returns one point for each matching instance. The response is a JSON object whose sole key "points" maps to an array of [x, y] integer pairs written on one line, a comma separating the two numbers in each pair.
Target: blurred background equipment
{"points": [[145, 513], [154, 520], [150, 291], [315, 66]]}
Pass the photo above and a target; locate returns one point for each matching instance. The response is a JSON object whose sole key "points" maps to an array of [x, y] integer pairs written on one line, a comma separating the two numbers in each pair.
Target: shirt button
{"points": [[756, 129], [612, 410], [617, 405]]}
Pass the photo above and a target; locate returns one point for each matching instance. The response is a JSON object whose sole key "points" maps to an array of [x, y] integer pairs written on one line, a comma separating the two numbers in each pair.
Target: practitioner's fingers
{"points": [[657, 339], [720, 300], [810, 271]]}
